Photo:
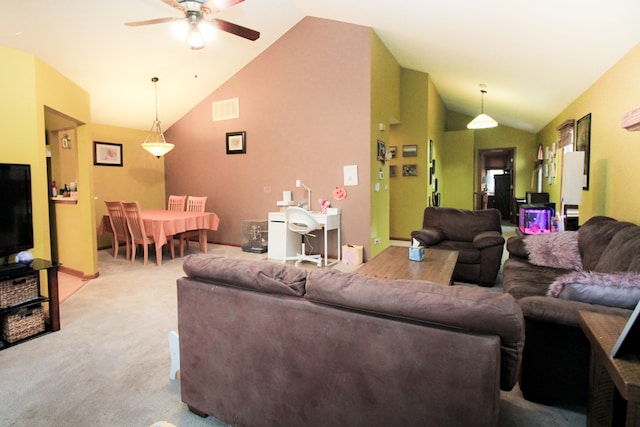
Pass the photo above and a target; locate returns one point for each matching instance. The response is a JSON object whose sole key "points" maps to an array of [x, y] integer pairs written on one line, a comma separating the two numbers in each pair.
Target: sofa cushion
{"points": [[516, 248], [558, 250], [467, 252], [594, 237], [268, 277], [622, 253], [523, 279], [468, 308], [611, 289], [461, 225]]}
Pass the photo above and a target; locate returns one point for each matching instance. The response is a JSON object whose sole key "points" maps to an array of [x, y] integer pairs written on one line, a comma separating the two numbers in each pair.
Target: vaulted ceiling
{"points": [[535, 57]]}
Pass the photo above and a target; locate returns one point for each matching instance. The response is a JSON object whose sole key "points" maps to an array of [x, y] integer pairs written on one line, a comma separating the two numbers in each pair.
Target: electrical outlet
{"points": [[376, 241], [267, 189]]}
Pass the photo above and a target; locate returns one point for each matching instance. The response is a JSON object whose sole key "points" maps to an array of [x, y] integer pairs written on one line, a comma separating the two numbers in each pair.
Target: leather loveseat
{"points": [[269, 344], [476, 235], [555, 367]]}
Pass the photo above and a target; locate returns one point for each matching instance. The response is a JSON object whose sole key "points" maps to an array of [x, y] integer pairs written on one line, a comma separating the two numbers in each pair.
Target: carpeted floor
{"points": [[109, 364]]}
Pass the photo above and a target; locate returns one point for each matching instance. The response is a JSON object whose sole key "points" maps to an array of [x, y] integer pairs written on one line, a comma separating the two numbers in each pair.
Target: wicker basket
{"points": [[21, 289], [22, 323]]}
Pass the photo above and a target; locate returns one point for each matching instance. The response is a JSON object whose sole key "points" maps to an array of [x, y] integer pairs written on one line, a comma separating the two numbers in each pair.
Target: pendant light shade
{"points": [[160, 146], [482, 121]]}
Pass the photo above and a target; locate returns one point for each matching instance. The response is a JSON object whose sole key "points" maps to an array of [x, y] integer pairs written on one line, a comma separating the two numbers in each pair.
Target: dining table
{"points": [[162, 225]]}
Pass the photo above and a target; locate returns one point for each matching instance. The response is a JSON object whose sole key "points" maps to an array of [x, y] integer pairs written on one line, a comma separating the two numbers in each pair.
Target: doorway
{"points": [[496, 181]]}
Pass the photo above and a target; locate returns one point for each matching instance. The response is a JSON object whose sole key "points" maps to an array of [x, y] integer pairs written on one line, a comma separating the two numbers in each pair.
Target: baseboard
{"points": [[78, 273]]}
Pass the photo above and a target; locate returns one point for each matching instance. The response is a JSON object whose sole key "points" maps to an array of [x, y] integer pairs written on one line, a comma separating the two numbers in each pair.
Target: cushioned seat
{"points": [[476, 235]]}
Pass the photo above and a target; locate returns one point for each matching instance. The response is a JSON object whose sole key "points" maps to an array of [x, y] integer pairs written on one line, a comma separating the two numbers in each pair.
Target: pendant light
{"points": [[482, 121], [160, 146]]}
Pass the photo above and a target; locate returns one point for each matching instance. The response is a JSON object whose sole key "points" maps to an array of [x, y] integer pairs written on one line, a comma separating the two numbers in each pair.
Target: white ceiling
{"points": [[535, 57]]}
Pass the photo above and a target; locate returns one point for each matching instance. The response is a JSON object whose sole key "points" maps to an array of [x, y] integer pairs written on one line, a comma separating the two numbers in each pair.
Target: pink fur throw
{"points": [[612, 289], [558, 250]]}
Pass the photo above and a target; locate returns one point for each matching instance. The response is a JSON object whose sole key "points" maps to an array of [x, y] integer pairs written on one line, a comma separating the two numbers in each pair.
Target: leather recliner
{"points": [[476, 235]]}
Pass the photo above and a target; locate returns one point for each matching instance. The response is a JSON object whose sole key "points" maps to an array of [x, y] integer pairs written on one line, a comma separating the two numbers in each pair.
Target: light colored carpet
{"points": [[109, 364]]}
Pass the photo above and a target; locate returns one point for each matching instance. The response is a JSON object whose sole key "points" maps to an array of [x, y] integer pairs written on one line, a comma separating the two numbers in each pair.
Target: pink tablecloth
{"points": [[163, 223]]}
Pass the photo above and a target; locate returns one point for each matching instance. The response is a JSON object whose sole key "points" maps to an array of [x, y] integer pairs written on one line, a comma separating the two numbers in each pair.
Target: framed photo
{"points": [[382, 152], [236, 142], [393, 171], [393, 150], [409, 150], [409, 170], [583, 143], [107, 154]]}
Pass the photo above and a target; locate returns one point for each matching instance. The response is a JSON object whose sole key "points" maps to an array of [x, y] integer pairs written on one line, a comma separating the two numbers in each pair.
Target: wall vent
{"points": [[225, 110]]}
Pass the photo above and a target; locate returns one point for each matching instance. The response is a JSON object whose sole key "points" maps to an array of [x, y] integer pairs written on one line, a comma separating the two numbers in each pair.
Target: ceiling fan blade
{"points": [[236, 29], [173, 3], [216, 6], [151, 21]]}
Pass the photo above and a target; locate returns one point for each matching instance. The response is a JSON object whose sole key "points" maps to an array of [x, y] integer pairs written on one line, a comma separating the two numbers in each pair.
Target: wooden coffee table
{"points": [[394, 263]]}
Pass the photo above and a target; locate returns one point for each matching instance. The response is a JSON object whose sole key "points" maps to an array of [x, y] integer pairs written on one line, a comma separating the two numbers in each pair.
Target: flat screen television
{"points": [[16, 219]]}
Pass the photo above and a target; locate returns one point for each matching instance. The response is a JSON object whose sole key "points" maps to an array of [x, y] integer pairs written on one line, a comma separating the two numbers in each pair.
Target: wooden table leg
{"points": [[202, 238]]}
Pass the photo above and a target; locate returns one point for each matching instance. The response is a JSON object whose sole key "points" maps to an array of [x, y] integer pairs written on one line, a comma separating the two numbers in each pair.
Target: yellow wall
{"points": [[141, 178], [456, 184], [385, 108], [525, 145], [615, 152], [409, 193], [27, 86]]}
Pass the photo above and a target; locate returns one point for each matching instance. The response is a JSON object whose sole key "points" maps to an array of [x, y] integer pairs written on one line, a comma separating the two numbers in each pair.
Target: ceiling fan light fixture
{"points": [[181, 29], [158, 147], [482, 121], [195, 38]]}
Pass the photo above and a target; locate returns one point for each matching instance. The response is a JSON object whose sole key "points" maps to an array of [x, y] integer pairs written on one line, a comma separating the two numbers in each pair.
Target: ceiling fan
{"points": [[196, 21]]}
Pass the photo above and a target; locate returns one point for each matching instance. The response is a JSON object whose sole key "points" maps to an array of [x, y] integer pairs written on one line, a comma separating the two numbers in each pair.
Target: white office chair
{"points": [[302, 222]]}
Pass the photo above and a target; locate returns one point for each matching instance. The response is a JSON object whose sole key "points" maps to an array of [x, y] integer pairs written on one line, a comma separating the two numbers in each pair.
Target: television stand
{"points": [[15, 275], [11, 267]]}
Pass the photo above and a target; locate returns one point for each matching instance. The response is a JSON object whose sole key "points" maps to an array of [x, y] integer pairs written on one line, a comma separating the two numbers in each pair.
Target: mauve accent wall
{"points": [[305, 105]]}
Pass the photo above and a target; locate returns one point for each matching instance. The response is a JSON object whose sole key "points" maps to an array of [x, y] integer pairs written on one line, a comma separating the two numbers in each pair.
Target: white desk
{"points": [[285, 244]]}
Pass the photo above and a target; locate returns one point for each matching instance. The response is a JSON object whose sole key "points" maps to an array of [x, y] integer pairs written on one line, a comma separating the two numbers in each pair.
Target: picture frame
{"points": [[394, 151], [583, 143], [382, 152], [107, 154], [410, 170], [393, 171], [409, 151], [236, 142]]}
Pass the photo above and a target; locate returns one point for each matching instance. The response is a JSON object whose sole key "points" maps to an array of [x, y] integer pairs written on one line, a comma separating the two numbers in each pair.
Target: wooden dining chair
{"points": [[176, 203], [194, 204], [118, 221], [138, 233]]}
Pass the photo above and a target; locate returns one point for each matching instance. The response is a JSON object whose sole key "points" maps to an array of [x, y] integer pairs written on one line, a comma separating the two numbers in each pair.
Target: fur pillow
{"points": [[558, 250], [611, 289]]}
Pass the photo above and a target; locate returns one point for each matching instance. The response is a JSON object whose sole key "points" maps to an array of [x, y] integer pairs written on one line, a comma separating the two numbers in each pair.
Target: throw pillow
{"points": [[558, 250], [611, 289]]}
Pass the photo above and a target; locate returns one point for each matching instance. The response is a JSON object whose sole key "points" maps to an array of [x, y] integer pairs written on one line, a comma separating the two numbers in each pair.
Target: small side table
{"points": [[614, 384]]}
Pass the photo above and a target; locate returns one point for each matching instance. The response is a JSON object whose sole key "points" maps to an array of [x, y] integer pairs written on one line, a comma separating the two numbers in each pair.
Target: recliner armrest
{"points": [[487, 239], [428, 236], [516, 247], [563, 312]]}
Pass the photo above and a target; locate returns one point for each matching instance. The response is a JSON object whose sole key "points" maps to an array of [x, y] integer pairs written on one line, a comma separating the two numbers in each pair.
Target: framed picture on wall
{"points": [[107, 154], [393, 171], [583, 143], [409, 170], [393, 150], [409, 150], [236, 142]]}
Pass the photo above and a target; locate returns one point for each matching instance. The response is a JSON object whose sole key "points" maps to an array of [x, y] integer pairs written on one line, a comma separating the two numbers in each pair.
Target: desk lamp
{"points": [[301, 184]]}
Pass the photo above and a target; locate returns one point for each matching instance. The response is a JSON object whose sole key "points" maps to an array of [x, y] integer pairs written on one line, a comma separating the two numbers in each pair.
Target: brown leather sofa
{"points": [[555, 367], [269, 344], [476, 235]]}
